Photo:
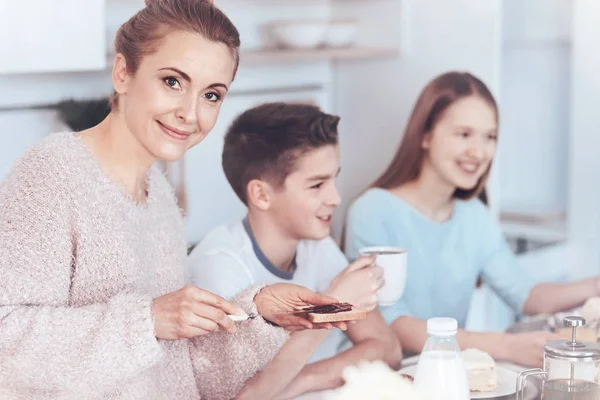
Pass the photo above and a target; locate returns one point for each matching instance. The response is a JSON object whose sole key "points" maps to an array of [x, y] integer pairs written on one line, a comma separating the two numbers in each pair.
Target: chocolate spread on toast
{"points": [[328, 308]]}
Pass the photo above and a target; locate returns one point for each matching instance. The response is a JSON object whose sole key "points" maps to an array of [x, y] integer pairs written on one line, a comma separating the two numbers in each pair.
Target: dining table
{"points": [[533, 388]]}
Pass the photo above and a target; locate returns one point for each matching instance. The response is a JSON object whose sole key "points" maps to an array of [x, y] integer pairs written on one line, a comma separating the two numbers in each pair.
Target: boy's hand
{"points": [[358, 284]]}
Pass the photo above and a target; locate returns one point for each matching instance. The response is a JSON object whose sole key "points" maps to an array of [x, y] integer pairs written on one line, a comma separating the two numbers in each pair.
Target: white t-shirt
{"points": [[229, 260]]}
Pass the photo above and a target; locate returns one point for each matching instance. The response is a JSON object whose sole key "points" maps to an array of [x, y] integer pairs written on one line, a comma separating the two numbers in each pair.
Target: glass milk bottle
{"points": [[441, 373]]}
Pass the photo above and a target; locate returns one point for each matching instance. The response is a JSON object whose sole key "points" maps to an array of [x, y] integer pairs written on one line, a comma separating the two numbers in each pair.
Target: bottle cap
{"points": [[442, 326]]}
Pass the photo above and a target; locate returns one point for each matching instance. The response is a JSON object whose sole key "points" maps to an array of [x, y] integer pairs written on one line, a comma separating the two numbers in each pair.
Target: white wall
{"points": [[375, 98]]}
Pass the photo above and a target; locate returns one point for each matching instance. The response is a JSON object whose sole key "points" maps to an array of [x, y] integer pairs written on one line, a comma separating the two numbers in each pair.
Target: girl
{"points": [[93, 302], [427, 201]]}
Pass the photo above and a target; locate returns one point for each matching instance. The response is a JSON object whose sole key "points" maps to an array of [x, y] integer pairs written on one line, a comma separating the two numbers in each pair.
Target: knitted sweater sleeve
{"points": [[44, 343], [223, 362]]}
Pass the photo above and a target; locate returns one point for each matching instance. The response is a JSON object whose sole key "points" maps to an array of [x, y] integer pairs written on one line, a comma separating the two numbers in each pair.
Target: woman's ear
{"points": [[426, 142], [120, 75]]}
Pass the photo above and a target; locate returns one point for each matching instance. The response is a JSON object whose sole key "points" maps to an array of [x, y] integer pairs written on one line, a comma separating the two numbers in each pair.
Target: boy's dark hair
{"points": [[265, 142]]}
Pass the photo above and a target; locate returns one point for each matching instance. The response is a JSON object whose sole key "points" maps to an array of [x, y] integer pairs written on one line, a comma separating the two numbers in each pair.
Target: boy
{"points": [[282, 160]]}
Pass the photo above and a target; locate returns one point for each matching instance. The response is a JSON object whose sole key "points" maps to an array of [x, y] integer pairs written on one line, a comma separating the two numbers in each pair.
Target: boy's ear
{"points": [[259, 194]]}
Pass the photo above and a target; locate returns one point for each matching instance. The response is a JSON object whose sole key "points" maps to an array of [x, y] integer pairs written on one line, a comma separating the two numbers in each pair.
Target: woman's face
{"points": [[462, 144], [172, 101]]}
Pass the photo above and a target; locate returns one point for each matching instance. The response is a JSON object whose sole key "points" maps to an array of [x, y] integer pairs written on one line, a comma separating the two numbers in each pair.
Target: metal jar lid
{"points": [[573, 349]]}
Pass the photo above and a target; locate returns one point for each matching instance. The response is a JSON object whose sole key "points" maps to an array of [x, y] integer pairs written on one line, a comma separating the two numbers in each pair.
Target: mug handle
{"points": [[522, 379]]}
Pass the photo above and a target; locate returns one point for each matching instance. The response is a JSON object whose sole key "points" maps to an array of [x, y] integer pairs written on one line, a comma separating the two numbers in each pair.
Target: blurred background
{"points": [[365, 60]]}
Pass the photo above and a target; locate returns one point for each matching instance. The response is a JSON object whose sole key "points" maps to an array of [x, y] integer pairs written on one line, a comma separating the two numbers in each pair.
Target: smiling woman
{"points": [[170, 98], [93, 295]]}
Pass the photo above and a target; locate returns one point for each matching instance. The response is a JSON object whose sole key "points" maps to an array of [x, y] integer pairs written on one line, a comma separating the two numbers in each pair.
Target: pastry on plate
{"points": [[481, 370]]}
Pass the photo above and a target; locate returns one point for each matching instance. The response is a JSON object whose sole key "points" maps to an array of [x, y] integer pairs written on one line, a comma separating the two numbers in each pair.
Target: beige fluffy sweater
{"points": [[80, 263]]}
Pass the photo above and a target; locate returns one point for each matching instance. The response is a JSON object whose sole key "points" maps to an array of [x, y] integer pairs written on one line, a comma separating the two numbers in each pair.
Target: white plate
{"points": [[507, 382]]}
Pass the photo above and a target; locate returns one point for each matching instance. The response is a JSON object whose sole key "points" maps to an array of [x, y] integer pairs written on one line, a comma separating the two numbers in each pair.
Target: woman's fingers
{"points": [[206, 297], [215, 315]]}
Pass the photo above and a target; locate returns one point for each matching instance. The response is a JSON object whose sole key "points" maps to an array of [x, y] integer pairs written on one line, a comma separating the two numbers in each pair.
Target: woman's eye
{"points": [[317, 186], [172, 82], [212, 96]]}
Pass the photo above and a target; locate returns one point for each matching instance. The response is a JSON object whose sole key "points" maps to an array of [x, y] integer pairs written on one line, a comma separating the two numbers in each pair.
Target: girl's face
{"points": [[462, 144], [172, 101]]}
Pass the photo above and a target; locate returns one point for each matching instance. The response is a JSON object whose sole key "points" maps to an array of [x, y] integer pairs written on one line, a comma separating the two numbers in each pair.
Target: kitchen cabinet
{"points": [[548, 159], [39, 36], [535, 105]]}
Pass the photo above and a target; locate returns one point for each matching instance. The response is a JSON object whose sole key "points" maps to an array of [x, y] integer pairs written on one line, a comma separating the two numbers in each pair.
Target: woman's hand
{"points": [[191, 312], [277, 304]]}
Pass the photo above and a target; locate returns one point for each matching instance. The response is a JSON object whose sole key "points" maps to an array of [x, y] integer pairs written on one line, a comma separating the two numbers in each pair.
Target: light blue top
{"points": [[444, 259]]}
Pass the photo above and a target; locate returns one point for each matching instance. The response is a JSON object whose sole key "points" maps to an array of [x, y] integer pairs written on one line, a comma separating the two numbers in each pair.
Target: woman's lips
{"points": [[173, 132]]}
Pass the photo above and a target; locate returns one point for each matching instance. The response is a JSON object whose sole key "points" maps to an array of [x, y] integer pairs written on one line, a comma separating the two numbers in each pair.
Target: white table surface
{"points": [[405, 363]]}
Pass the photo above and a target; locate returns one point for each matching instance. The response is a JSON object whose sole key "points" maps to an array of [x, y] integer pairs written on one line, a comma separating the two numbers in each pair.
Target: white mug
{"points": [[393, 261]]}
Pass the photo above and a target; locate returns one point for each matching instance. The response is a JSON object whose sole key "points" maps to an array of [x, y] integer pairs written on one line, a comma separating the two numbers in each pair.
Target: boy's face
{"points": [[304, 205]]}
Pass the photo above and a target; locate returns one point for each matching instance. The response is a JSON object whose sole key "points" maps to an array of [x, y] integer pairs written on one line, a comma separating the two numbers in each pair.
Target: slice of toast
{"points": [[355, 314], [333, 313]]}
